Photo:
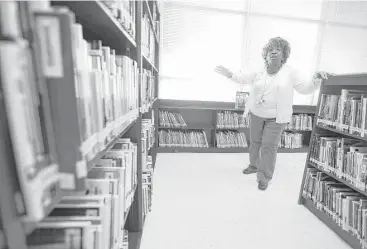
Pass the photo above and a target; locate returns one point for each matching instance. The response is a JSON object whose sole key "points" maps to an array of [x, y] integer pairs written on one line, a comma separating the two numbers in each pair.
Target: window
{"points": [[199, 34], [194, 42], [295, 8]]}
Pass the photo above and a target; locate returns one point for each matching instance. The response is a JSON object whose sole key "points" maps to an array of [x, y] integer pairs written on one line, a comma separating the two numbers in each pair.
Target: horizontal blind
{"points": [[194, 42]]}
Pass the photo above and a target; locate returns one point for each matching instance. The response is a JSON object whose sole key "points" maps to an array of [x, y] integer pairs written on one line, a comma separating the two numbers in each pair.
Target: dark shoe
{"points": [[263, 185], [249, 170]]}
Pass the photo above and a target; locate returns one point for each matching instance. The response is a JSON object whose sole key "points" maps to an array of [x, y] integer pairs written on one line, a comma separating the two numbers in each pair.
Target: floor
{"points": [[203, 201]]}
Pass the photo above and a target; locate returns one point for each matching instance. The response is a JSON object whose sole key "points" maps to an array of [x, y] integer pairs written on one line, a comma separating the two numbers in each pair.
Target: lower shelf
{"points": [[348, 238], [220, 150]]}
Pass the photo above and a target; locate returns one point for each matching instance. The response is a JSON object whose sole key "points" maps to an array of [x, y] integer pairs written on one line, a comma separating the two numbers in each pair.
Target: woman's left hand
{"points": [[321, 75]]}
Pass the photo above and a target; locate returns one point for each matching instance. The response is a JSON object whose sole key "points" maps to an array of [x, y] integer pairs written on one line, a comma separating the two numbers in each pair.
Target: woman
{"points": [[270, 105]]}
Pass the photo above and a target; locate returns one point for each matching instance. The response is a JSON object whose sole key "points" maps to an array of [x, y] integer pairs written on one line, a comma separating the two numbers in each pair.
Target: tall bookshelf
{"points": [[202, 116], [334, 181], [92, 80]]}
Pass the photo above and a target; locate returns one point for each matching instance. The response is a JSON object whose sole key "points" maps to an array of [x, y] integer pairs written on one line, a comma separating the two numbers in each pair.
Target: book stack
{"points": [[148, 39], [156, 22], [345, 112], [171, 138], [148, 171], [232, 120], [346, 158], [345, 207], [148, 141], [124, 12], [96, 219], [171, 119], [107, 89], [301, 122], [147, 87], [291, 140], [231, 139], [148, 133], [71, 128], [335, 178]]}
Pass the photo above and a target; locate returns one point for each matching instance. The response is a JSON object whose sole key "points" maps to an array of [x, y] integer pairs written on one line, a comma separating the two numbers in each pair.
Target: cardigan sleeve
{"points": [[304, 85], [243, 77]]}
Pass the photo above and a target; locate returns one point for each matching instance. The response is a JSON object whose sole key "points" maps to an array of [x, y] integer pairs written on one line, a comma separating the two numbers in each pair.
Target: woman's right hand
{"points": [[223, 71]]}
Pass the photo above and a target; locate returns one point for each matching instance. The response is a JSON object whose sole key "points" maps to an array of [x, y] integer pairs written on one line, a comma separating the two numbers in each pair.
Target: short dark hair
{"points": [[280, 42]]}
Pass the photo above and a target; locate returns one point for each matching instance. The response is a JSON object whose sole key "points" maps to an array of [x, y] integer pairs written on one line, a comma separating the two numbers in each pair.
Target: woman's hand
{"points": [[223, 71], [321, 75]]}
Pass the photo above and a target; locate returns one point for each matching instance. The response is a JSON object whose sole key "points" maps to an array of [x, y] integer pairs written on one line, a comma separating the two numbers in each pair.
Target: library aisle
{"points": [[204, 201]]}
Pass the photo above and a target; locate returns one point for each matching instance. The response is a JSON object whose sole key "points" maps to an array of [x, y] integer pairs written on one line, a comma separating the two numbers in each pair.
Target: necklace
{"points": [[262, 100]]}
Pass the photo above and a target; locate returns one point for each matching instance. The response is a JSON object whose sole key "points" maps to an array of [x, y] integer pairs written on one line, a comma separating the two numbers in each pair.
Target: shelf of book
{"points": [[219, 150], [150, 17], [325, 218], [212, 126], [87, 103], [99, 19], [336, 165]]}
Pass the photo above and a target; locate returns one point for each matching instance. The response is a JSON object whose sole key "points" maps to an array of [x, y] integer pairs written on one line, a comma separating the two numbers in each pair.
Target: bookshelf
{"points": [[80, 161], [334, 181], [202, 116]]}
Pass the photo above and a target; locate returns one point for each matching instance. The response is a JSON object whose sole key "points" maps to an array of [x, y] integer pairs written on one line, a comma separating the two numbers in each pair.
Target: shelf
{"points": [[189, 127], [339, 179], [232, 129], [30, 226], [148, 63], [219, 150], [150, 17], [348, 238], [97, 18], [342, 132], [96, 158]]}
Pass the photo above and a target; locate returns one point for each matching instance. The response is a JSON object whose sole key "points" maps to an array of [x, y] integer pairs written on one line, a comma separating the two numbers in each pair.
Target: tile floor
{"points": [[203, 201]]}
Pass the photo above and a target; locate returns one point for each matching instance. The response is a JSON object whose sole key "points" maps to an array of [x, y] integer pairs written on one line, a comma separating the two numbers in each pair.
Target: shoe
{"points": [[249, 170], [263, 185]]}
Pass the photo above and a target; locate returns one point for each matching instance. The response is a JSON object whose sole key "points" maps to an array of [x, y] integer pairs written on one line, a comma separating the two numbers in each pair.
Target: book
{"points": [[231, 139], [241, 100], [182, 139], [37, 168]]}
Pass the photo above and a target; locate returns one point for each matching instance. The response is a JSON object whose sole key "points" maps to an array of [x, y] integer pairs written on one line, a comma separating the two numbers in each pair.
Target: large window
{"points": [[198, 35]]}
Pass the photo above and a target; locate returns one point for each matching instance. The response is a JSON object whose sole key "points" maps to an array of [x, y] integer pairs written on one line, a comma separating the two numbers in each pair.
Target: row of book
{"points": [[346, 207], [301, 122], [96, 219], [230, 119], [107, 89], [147, 87], [169, 138], [62, 118], [125, 14], [291, 140], [171, 119], [345, 112], [345, 158], [148, 140], [148, 39], [156, 22], [231, 139]]}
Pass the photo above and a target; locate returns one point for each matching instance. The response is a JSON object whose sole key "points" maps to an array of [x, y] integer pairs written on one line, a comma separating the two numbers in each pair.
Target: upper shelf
{"points": [[98, 19]]}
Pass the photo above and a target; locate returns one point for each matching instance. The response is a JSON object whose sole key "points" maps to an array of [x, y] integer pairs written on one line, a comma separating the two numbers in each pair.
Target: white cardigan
{"points": [[287, 79]]}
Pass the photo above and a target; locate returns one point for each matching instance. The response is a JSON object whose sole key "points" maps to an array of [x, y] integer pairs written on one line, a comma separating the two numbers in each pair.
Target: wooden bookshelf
{"points": [[99, 23], [332, 86], [202, 115]]}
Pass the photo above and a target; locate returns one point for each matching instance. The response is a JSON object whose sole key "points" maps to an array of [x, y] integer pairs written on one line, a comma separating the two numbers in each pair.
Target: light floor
{"points": [[203, 201]]}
